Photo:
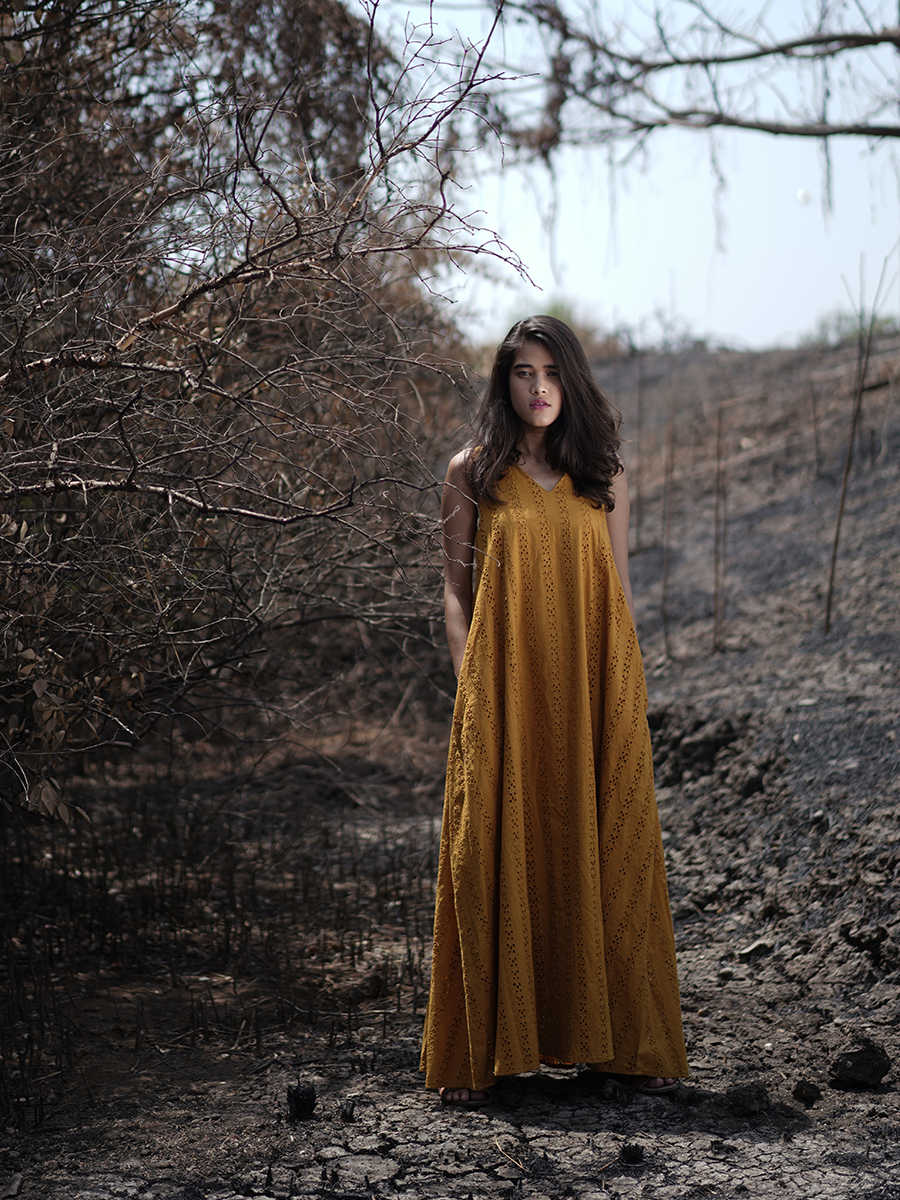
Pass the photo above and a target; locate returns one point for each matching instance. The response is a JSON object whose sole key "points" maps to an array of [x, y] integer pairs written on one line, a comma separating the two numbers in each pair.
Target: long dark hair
{"points": [[583, 441]]}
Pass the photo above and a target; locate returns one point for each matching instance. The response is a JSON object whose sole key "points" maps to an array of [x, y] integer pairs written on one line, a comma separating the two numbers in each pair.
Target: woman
{"points": [[553, 939]]}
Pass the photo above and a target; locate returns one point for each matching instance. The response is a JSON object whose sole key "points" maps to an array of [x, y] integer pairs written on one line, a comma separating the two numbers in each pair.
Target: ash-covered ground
{"points": [[777, 748]]}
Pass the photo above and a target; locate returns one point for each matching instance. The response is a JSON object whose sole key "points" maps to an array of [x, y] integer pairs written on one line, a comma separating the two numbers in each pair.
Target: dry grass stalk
{"points": [[720, 520], [667, 511], [864, 346]]}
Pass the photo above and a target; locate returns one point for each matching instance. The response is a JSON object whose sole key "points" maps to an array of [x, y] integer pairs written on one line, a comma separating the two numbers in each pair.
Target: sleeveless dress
{"points": [[552, 934]]}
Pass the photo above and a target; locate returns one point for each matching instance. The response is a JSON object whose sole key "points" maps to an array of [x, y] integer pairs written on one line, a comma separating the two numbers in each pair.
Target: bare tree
{"points": [[221, 355], [687, 64]]}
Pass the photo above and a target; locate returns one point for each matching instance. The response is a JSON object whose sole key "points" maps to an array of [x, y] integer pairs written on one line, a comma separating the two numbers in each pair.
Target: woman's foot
{"points": [[647, 1085], [463, 1097]]}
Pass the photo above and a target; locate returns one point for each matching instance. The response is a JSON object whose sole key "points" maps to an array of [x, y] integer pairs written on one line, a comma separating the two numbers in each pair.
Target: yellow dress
{"points": [[552, 933]]}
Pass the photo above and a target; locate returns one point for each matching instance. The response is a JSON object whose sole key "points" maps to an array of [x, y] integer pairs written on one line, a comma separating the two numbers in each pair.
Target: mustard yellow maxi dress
{"points": [[552, 934]]}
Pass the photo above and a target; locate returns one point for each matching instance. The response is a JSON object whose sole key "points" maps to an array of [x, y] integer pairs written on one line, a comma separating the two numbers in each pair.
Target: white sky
{"points": [[782, 263]]}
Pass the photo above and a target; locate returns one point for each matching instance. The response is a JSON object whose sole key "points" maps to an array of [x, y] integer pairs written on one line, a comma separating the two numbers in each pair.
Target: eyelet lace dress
{"points": [[552, 934]]}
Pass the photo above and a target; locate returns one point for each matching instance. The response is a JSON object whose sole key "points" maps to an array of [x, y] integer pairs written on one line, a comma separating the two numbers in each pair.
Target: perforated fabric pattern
{"points": [[552, 929]]}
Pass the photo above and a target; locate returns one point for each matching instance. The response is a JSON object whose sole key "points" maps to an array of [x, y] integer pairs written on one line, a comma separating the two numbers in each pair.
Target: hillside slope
{"points": [[173, 968], [778, 750]]}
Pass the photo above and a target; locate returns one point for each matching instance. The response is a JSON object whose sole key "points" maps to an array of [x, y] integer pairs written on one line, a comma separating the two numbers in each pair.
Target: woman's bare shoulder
{"points": [[456, 471], [458, 461]]}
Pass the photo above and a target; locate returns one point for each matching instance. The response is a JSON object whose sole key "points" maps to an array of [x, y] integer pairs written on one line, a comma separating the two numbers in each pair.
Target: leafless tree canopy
{"points": [[692, 65], [219, 356]]}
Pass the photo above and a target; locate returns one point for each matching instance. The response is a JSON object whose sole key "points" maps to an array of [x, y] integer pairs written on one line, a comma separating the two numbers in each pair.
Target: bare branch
{"points": [[699, 74], [222, 359]]}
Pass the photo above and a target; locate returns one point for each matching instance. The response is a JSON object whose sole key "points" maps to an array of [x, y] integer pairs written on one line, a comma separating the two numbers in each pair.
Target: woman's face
{"points": [[534, 386]]}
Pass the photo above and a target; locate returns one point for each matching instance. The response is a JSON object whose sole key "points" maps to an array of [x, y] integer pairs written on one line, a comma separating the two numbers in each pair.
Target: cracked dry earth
{"points": [[779, 795]]}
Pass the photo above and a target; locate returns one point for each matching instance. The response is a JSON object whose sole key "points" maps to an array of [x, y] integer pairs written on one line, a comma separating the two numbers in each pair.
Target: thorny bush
{"points": [[226, 382]]}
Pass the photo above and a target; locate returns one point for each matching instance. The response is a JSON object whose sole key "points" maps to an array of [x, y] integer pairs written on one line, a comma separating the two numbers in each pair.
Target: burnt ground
{"points": [[166, 1071]]}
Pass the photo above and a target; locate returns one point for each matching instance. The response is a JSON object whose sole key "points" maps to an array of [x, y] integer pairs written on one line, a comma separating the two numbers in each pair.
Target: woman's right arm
{"points": [[459, 517]]}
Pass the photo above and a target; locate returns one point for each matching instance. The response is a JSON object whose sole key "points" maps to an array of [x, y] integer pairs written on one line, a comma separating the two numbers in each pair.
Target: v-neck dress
{"points": [[552, 935]]}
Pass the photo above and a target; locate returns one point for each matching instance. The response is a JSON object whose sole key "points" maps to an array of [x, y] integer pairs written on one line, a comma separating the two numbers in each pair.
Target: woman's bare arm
{"points": [[617, 522], [459, 517]]}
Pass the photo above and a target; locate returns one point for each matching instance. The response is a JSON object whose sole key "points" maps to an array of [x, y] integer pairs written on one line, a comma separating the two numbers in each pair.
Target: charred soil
{"points": [[173, 968]]}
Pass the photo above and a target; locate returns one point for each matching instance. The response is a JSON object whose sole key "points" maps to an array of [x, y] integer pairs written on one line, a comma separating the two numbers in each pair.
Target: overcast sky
{"points": [[782, 262], [779, 263]]}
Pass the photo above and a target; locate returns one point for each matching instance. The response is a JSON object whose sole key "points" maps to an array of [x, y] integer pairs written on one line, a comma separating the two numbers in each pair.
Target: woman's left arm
{"points": [[617, 523]]}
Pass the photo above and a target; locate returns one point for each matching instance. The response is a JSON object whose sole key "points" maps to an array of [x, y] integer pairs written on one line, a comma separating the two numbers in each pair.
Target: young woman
{"points": [[552, 936]]}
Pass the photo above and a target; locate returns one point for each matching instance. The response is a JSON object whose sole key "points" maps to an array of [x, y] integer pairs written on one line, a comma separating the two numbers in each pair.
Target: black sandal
{"points": [[644, 1083]]}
